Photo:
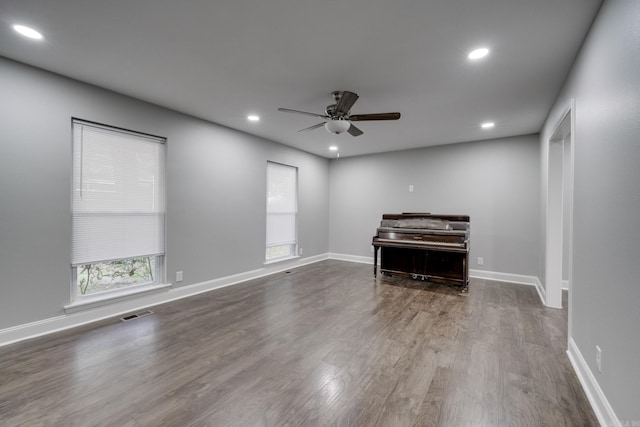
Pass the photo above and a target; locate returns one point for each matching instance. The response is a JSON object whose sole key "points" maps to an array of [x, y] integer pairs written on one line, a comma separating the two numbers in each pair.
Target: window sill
{"points": [[88, 302], [275, 261]]}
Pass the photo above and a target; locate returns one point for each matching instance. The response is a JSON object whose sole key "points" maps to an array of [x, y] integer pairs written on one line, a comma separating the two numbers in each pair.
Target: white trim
{"points": [[559, 169], [542, 293], [352, 258], [139, 302], [277, 260], [601, 407], [553, 222], [504, 277], [105, 298], [520, 279]]}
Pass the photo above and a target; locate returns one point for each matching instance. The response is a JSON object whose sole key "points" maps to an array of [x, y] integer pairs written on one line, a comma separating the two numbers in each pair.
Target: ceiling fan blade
{"points": [[379, 116], [288, 110], [354, 131], [347, 99], [312, 127]]}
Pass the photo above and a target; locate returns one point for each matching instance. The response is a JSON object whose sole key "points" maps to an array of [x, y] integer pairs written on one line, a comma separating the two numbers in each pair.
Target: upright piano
{"points": [[424, 246]]}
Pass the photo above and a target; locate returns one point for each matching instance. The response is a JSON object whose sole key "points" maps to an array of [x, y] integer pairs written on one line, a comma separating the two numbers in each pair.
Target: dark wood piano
{"points": [[424, 246]]}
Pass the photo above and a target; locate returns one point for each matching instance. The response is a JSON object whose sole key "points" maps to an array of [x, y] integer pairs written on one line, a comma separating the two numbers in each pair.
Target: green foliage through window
{"points": [[104, 276], [280, 251]]}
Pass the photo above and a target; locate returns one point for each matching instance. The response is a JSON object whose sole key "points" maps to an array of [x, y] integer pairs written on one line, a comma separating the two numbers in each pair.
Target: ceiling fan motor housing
{"points": [[330, 110]]}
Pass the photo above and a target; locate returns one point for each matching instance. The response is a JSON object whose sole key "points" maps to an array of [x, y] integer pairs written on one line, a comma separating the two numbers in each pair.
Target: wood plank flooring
{"points": [[323, 345]]}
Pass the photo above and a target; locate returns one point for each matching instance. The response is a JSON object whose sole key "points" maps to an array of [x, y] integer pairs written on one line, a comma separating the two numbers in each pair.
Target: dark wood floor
{"points": [[326, 344]]}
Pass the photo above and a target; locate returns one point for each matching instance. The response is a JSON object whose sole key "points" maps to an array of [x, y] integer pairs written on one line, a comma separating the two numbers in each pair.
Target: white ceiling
{"points": [[223, 59]]}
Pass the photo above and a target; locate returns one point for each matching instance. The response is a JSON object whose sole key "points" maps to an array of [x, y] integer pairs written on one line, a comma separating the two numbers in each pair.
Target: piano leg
{"points": [[465, 262], [465, 273], [375, 261]]}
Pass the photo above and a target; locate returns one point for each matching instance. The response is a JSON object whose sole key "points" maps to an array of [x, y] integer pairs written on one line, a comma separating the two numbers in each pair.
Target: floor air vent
{"points": [[136, 315]]}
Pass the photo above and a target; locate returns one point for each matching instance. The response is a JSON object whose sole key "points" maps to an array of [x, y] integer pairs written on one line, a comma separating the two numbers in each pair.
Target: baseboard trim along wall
{"points": [[511, 278], [139, 302], [352, 258], [594, 393], [520, 279], [542, 293], [599, 403]]}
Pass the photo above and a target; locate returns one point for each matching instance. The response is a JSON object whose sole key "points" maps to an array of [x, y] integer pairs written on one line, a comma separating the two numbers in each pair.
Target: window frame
{"points": [[293, 246], [158, 259]]}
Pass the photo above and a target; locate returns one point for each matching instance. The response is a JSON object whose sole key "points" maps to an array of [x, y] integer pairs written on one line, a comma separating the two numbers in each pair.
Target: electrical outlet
{"points": [[599, 358], [480, 260], [179, 276], [411, 188], [299, 251]]}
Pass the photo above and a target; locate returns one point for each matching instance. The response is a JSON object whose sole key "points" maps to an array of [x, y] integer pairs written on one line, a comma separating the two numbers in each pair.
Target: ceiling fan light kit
{"points": [[338, 116], [337, 126]]}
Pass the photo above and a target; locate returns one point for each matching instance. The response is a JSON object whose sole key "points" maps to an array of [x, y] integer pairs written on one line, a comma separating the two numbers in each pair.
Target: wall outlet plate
{"points": [[480, 260], [179, 276]]}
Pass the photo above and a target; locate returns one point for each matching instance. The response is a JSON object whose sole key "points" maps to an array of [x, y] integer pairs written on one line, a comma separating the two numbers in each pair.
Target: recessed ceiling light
{"points": [[253, 118], [487, 125], [28, 32], [333, 148], [478, 53]]}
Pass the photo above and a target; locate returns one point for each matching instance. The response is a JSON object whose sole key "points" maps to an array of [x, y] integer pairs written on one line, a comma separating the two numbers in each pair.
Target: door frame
{"points": [[560, 168]]}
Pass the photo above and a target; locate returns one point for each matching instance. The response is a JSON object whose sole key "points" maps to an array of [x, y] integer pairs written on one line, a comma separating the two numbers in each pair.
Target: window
{"points": [[118, 209], [282, 209]]}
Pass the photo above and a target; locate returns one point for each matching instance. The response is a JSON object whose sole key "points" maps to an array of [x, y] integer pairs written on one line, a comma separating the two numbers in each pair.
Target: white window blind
{"points": [[118, 204], [282, 204]]}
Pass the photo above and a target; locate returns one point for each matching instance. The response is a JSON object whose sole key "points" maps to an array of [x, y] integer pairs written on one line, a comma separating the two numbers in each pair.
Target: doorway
{"points": [[559, 216]]}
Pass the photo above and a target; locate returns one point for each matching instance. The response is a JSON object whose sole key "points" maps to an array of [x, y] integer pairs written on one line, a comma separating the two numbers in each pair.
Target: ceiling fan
{"points": [[337, 117]]}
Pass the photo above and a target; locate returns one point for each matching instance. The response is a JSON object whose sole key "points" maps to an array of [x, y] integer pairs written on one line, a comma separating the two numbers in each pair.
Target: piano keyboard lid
{"points": [[423, 231], [427, 243]]}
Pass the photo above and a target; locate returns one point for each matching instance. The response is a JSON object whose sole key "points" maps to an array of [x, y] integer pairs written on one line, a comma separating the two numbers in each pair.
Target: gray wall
{"points": [[215, 189], [605, 293], [496, 182]]}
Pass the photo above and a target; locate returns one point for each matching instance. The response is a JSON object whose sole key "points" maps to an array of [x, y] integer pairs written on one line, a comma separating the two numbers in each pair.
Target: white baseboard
{"points": [[601, 407], [139, 302], [352, 258], [503, 277], [511, 278], [520, 279], [542, 293]]}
